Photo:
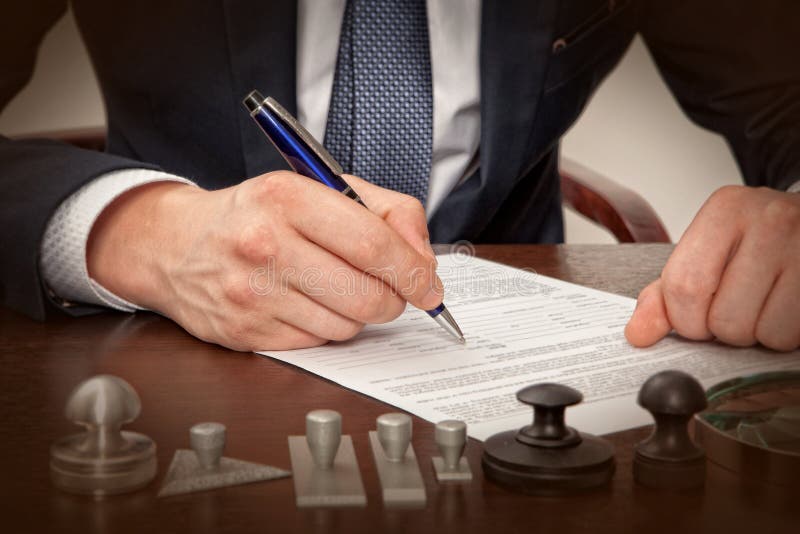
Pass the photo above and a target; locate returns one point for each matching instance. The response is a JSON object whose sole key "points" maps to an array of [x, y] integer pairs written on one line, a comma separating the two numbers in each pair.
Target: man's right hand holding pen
{"points": [[191, 255]]}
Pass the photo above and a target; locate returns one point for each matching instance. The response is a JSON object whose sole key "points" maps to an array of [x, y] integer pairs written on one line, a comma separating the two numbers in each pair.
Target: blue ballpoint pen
{"points": [[308, 157]]}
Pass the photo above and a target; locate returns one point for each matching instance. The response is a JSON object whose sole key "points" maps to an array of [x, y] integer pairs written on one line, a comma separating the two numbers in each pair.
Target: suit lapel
{"points": [[262, 44]]}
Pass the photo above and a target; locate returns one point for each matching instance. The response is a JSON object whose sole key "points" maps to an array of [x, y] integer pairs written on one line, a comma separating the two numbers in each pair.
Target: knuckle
{"points": [[256, 242], [727, 194], [275, 187], [781, 216], [731, 330], [412, 204], [237, 292], [685, 285], [416, 214]]}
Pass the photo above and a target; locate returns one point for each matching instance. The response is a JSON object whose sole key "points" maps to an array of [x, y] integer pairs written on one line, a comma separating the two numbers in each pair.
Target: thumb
{"points": [[649, 322]]}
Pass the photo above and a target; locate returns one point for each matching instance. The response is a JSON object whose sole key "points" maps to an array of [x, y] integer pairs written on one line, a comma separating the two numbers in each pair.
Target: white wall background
{"points": [[632, 131]]}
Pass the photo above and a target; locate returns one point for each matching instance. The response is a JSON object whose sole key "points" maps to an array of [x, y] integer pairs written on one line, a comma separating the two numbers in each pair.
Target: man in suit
{"points": [[460, 104]]}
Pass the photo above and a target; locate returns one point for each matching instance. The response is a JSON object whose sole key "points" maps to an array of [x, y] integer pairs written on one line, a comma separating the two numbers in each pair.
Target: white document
{"points": [[521, 328]]}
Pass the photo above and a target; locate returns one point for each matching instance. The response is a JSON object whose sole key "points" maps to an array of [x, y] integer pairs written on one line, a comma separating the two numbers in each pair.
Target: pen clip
{"points": [[303, 134]]}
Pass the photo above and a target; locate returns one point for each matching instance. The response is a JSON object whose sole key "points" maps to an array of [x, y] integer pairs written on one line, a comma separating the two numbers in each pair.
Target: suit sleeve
{"points": [[35, 176], [734, 67]]}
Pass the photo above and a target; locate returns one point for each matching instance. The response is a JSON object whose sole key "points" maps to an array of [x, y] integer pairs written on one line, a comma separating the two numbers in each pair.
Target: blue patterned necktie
{"points": [[380, 121]]}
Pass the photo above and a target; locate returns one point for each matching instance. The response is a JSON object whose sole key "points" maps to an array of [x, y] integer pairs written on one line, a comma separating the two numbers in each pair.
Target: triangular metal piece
{"points": [[186, 475]]}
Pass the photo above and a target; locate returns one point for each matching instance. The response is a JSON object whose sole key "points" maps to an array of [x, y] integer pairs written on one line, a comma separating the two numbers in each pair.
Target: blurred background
{"points": [[633, 130]]}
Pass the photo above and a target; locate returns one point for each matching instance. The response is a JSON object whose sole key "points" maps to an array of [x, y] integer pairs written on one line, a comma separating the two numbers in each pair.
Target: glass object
{"points": [[752, 426]]}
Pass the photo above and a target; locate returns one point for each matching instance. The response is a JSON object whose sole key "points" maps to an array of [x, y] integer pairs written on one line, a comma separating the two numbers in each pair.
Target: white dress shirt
{"points": [[454, 32]]}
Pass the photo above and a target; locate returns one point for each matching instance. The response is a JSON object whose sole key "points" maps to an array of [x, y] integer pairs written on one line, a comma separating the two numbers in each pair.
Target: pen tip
{"points": [[462, 340]]}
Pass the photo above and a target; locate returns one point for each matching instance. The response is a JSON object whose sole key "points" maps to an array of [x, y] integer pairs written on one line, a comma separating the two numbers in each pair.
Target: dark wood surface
{"points": [[182, 381]]}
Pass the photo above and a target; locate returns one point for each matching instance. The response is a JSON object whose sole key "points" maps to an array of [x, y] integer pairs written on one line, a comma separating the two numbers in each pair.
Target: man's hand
{"points": [[734, 275], [277, 262]]}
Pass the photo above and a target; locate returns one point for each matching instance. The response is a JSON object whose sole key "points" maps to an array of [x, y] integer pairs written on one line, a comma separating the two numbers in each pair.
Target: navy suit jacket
{"points": [[173, 73]]}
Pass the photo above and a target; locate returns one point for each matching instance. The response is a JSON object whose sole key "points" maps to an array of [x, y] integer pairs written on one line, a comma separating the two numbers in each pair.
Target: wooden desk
{"points": [[183, 381]]}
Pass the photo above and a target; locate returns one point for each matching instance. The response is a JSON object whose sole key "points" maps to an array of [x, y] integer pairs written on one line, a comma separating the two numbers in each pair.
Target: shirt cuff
{"points": [[794, 188], [63, 250]]}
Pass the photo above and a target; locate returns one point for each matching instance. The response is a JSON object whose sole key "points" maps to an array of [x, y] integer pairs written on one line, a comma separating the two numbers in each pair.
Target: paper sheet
{"points": [[521, 328]]}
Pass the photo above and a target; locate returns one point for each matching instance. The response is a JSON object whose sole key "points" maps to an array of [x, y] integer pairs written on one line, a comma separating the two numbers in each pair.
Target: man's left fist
{"points": [[734, 275]]}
